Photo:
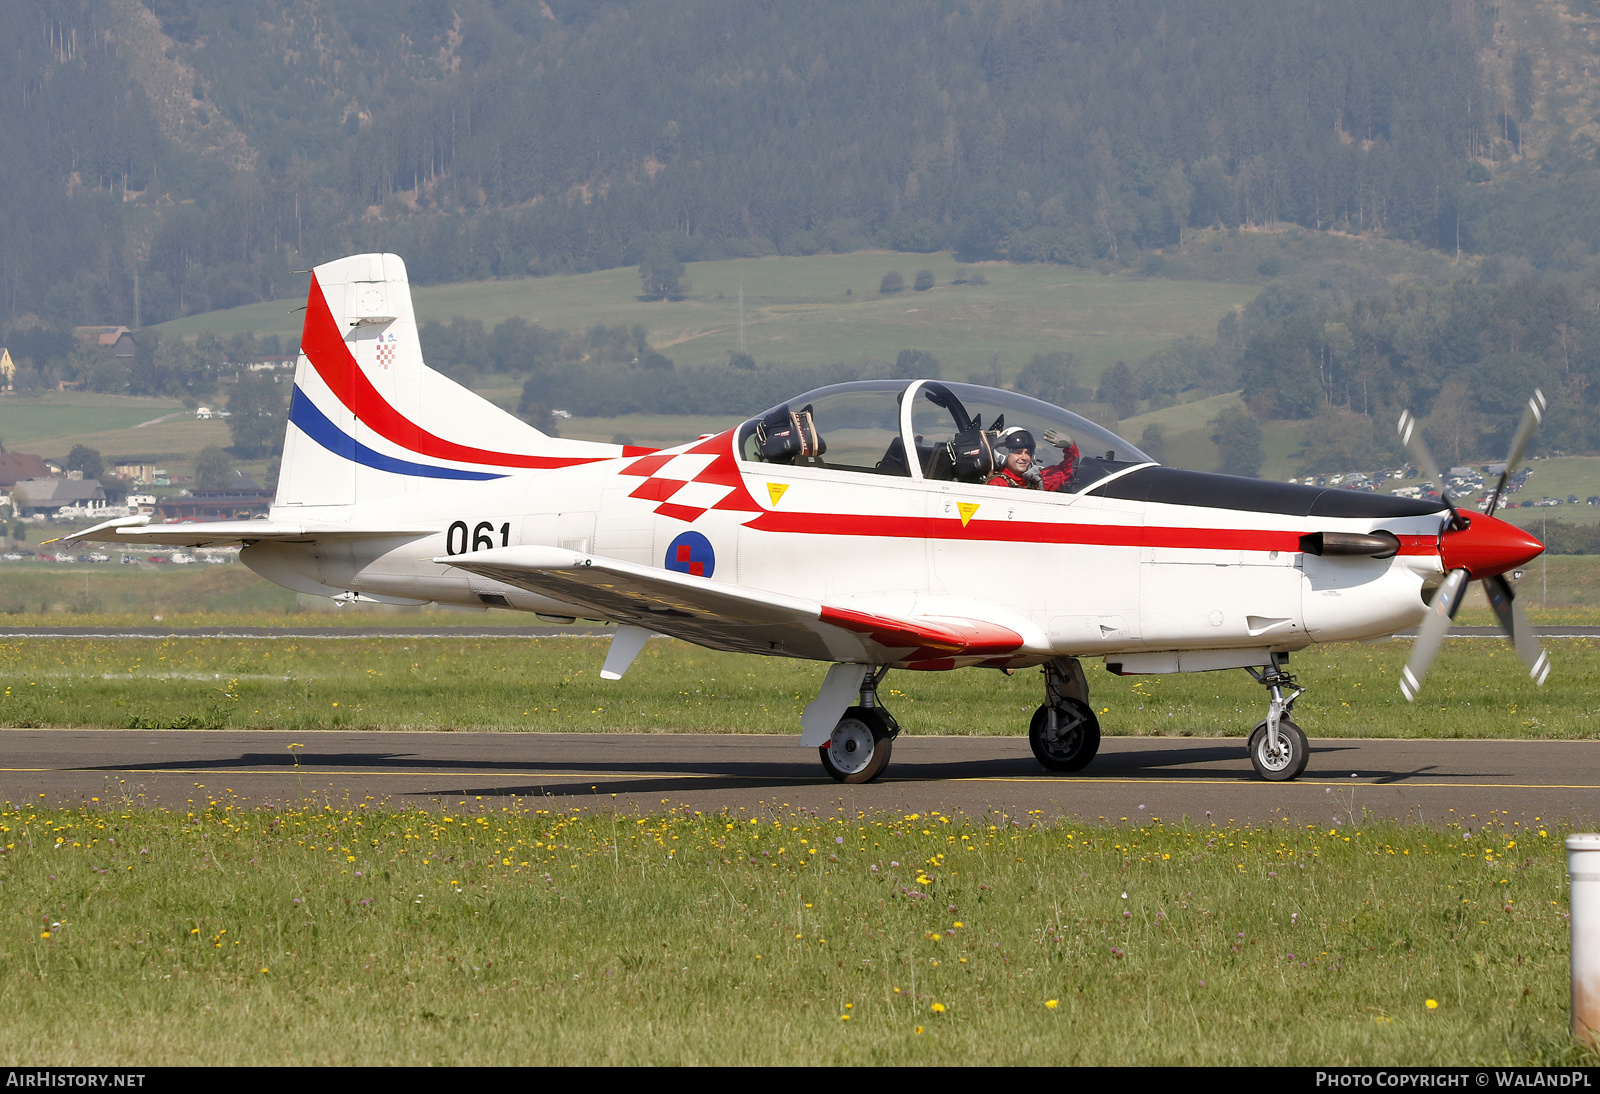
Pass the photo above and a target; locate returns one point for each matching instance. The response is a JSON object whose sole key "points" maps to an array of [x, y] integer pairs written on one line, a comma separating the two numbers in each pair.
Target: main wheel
{"points": [[1288, 760], [859, 749], [1073, 743]]}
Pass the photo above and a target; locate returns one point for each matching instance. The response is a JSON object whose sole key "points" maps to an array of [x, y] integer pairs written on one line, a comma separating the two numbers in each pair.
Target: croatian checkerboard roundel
{"points": [[691, 553]]}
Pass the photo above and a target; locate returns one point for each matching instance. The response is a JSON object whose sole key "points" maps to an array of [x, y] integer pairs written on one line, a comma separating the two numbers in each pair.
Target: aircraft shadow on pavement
{"points": [[1207, 762]]}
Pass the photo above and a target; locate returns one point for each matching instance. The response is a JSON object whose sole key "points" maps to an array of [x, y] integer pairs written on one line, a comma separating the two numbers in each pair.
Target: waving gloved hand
{"points": [[1057, 438]]}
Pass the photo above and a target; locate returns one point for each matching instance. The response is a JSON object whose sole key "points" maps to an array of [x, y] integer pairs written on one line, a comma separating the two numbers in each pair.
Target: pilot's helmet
{"points": [[1016, 439]]}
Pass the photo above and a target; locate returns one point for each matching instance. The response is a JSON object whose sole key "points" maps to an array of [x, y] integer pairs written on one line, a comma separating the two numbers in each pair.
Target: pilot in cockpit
{"points": [[1018, 470]]}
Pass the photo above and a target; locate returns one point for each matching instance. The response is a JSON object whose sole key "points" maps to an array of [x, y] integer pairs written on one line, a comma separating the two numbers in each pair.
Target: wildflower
{"points": [[937, 1008], [1052, 1004], [1432, 1004]]}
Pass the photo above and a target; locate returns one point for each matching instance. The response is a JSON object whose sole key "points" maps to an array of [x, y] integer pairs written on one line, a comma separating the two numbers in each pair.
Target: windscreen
{"points": [[943, 411]]}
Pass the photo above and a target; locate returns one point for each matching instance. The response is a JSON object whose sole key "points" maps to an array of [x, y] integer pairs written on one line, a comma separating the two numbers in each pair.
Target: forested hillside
{"points": [[162, 158], [213, 146]]}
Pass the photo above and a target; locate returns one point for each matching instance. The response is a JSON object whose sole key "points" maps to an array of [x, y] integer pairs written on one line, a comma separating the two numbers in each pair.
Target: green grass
{"points": [[36, 593], [350, 933], [1477, 689], [117, 426], [1558, 477], [796, 311]]}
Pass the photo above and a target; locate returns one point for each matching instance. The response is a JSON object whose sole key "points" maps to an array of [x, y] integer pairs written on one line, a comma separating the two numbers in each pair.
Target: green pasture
{"points": [[1477, 688], [117, 426], [824, 309], [352, 933]]}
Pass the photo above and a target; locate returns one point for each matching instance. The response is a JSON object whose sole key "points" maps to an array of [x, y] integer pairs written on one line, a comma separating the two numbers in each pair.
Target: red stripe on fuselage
{"points": [[1098, 535], [324, 346]]}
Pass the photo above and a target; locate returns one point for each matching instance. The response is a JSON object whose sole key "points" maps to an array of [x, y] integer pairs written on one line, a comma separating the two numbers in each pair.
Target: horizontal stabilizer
{"points": [[136, 531], [728, 616]]}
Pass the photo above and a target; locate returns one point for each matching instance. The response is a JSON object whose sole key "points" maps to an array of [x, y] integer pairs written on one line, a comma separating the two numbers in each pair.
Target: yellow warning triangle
{"points": [[967, 509], [776, 489]]}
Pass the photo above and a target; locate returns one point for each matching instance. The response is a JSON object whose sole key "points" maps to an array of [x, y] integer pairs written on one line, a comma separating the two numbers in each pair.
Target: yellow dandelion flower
{"points": [[1052, 1004], [1433, 1004], [937, 1008]]}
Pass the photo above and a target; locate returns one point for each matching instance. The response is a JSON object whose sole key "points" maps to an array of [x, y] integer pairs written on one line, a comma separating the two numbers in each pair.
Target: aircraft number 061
{"points": [[482, 537]]}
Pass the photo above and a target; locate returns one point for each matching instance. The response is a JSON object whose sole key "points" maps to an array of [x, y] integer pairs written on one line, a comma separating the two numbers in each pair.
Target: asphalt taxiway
{"points": [[1203, 779]]}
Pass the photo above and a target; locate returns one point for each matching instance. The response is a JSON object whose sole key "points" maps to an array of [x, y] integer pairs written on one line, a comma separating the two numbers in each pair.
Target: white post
{"points": [[1583, 868]]}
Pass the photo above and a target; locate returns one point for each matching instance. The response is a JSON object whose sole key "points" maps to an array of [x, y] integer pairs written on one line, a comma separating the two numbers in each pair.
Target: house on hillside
{"points": [[42, 497], [119, 340], [16, 466]]}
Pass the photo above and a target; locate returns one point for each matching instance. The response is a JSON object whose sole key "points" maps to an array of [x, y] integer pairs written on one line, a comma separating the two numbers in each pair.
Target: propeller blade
{"points": [[1430, 636], [1503, 599], [1519, 444], [1411, 437]]}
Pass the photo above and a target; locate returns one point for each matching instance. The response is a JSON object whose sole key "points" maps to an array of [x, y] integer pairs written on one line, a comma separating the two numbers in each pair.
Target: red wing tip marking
{"points": [[944, 636]]}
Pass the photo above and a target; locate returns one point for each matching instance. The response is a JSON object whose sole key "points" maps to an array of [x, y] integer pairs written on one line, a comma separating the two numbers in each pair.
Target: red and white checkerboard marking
{"points": [[688, 484]]}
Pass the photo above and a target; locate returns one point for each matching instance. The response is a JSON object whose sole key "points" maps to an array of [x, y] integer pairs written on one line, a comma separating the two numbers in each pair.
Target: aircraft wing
{"points": [[727, 616], [221, 533]]}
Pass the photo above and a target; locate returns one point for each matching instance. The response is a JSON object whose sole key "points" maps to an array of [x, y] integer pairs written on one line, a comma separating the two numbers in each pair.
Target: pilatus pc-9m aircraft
{"points": [[861, 524]]}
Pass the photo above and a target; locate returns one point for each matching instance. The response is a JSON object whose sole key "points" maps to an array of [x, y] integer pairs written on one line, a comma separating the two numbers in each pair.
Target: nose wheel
{"points": [[1278, 747], [1283, 761]]}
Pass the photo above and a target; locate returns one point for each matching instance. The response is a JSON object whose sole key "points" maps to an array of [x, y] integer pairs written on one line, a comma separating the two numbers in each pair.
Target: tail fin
{"points": [[368, 420]]}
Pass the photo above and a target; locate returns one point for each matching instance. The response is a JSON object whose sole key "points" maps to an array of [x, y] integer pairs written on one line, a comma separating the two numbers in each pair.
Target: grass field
{"points": [[1477, 689], [117, 426], [358, 935], [797, 311]]}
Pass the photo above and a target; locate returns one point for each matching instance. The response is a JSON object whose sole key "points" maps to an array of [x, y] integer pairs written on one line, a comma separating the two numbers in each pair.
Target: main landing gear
{"points": [[1064, 733], [858, 749], [1278, 748]]}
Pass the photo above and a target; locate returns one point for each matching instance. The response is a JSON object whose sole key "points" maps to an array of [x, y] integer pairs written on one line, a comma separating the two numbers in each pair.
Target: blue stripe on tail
{"points": [[316, 425]]}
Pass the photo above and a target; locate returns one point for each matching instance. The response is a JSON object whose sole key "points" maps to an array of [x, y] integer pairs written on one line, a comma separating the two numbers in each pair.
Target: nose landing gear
{"points": [[1278, 747]]}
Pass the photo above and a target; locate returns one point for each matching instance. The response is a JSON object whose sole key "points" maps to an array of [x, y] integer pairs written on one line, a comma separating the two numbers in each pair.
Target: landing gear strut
{"points": [[1064, 733], [858, 749], [1278, 748]]}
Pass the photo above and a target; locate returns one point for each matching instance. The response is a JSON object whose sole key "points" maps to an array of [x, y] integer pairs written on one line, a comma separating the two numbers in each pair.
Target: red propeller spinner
{"points": [[1486, 546]]}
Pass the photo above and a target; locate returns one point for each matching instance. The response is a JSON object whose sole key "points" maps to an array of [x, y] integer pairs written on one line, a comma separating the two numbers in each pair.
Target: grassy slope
{"points": [[355, 935], [116, 426], [796, 311]]}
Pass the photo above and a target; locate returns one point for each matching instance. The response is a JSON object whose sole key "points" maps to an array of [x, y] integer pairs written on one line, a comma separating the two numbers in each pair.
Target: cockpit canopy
{"points": [[954, 433]]}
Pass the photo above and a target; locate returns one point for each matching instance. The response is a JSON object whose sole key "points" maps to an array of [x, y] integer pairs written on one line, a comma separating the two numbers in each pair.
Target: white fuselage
{"points": [[1076, 574]]}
